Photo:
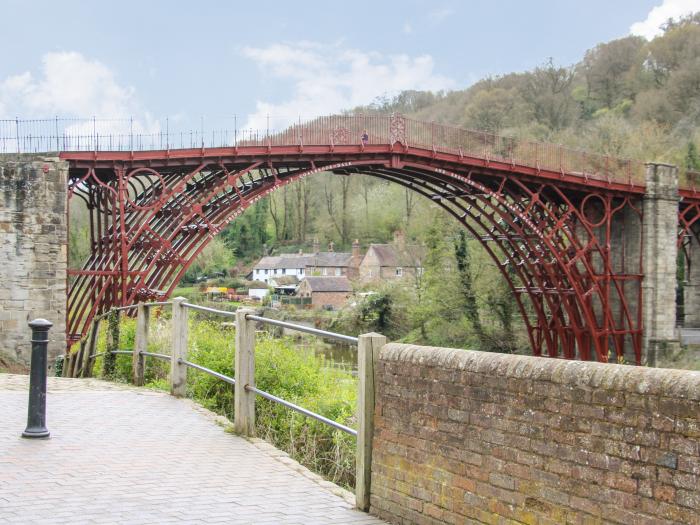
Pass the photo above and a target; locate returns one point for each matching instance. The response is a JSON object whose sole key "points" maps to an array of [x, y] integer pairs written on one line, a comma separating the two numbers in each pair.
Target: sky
{"points": [[201, 63]]}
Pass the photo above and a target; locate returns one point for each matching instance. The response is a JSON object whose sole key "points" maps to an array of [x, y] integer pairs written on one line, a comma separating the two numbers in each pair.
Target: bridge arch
{"points": [[550, 241]]}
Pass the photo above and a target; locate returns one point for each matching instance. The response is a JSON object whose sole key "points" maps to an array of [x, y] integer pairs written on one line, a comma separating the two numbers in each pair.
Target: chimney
{"points": [[317, 246], [356, 258], [400, 240], [356, 249], [331, 245]]}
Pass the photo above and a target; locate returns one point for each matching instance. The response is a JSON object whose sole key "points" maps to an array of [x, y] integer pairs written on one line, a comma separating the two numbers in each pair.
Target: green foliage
{"points": [[247, 235], [215, 259], [692, 158]]}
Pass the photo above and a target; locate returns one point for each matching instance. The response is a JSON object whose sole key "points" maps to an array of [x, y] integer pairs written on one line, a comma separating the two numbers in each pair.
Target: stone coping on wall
{"points": [[584, 374]]}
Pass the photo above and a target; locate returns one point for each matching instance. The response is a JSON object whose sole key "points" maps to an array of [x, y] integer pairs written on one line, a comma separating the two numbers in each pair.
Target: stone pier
{"points": [[659, 237], [33, 251]]}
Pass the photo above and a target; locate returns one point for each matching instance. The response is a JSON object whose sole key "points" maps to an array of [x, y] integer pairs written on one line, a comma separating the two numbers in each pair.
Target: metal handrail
{"points": [[301, 410], [209, 310], [301, 328], [159, 303], [121, 351], [128, 307], [157, 356], [98, 354], [209, 371]]}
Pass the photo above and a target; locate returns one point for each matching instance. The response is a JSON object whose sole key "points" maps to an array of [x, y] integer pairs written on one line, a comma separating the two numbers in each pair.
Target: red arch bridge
{"points": [[586, 243]]}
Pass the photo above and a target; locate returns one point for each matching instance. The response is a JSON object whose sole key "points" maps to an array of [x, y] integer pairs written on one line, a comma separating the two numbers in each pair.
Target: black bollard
{"points": [[36, 417]]}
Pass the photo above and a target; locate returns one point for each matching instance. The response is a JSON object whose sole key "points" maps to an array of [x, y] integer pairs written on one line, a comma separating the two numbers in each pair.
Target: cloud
{"points": [[71, 85], [438, 15], [327, 79], [407, 28], [659, 15]]}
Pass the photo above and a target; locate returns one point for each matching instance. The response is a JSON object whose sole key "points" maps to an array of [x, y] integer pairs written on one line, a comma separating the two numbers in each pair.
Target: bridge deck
{"points": [[123, 455]]}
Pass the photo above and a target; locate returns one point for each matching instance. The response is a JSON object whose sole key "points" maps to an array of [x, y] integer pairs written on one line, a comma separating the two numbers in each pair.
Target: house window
{"points": [[419, 271], [301, 271], [265, 272], [399, 271], [284, 271], [369, 274], [337, 271], [325, 271]]}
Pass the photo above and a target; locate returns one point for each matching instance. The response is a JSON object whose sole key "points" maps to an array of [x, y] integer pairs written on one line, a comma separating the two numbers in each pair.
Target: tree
{"points": [[548, 92], [214, 258], [494, 109], [471, 308], [302, 204], [247, 234], [611, 70], [339, 214], [692, 158]]}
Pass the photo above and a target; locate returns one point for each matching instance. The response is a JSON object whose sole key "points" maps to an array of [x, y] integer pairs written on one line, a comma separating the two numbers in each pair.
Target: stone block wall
{"points": [[473, 437], [33, 251]]}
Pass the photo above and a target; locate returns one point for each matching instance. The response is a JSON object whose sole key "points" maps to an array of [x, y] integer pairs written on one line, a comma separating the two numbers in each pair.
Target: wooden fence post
{"points": [[66, 365], [109, 360], [89, 361], [244, 366], [368, 348], [178, 372], [78, 365], [140, 344]]}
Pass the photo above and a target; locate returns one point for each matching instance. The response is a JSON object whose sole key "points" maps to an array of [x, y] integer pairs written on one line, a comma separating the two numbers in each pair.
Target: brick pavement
{"points": [[123, 455]]}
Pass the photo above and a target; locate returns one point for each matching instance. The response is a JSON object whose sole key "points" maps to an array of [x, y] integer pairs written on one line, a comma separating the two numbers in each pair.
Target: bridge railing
{"points": [[243, 382], [44, 135]]}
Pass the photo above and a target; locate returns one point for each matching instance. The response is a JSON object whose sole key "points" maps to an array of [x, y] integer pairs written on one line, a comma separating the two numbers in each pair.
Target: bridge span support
{"points": [[660, 253], [33, 251]]}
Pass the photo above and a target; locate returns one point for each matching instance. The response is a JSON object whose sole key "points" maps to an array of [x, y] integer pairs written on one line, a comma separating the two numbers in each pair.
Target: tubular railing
{"points": [[34, 136], [307, 329], [244, 380]]}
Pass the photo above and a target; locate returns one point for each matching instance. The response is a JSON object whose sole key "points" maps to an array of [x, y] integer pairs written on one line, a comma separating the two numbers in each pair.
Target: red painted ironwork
{"points": [[548, 216]]}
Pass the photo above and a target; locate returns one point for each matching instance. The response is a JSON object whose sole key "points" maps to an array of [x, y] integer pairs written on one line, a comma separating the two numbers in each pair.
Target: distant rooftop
{"points": [[302, 260], [390, 255], [329, 284]]}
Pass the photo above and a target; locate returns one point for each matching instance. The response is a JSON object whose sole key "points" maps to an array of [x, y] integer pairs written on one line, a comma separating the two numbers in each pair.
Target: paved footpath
{"points": [[119, 454]]}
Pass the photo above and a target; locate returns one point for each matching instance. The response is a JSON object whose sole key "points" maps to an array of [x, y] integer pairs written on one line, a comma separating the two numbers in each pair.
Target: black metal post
{"points": [[36, 413]]}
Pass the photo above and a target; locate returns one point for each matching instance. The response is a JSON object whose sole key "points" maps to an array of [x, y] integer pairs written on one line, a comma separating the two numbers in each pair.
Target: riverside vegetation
{"points": [[282, 368]]}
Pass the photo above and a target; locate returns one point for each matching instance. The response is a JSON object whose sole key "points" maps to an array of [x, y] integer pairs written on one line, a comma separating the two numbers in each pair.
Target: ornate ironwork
{"points": [[397, 129], [551, 231]]}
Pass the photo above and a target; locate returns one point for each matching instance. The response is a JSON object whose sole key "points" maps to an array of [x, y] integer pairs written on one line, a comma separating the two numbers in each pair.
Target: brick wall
{"points": [[336, 299], [472, 437], [33, 251]]}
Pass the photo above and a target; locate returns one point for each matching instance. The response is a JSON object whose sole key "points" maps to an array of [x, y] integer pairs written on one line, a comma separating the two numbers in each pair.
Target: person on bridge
{"points": [[364, 137]]}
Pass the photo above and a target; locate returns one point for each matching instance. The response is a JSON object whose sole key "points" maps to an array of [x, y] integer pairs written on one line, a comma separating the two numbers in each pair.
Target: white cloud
{"points": [[407, 28], [327, 79], [659, 15], [438, 15], [70, 85]]}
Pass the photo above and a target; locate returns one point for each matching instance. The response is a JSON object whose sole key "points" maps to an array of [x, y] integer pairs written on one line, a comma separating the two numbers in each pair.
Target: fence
{"points": [[34, 136], [245, 391]]}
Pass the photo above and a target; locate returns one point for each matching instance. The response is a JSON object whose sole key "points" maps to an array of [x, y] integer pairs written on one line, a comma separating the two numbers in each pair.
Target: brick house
{"points": [[325, 291], [300, 265], [391, 261]]}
